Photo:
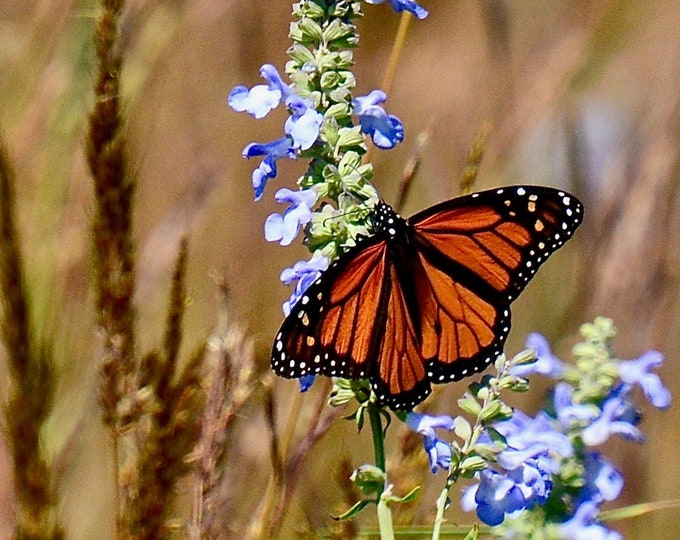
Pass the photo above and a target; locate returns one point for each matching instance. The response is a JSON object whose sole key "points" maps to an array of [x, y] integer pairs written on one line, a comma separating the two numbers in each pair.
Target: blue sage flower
{"points": [[262, 98], [284, 228], [534, 482], [272, 151], [301, 128], [572, 414], [618, 417], [637, 372], [404, 5], [304, 123], [530, 437], [603, 481], [583, 526], [495, 496], [437, 450], [385, 130], [303, 274], [509, 493], [546, 364]]}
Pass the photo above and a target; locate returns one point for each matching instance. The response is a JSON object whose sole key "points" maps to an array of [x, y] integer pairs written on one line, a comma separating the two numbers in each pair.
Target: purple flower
{"points": [[304, 123], [637, 372], [437, 450], [583, 527], [546, 364], [384, 129], [260, 99], [494, 496], [401, 5], [530, 437], [271, 151], [603, 482], [618, 416], [304, 273], [511, 458], [284, 228], [301, 128], [534, 482], [568, 412]]}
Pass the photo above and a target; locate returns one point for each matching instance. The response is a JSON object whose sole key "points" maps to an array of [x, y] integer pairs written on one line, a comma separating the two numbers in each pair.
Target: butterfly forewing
{"points": [[332, 330], [478, 252], [500, 236]]}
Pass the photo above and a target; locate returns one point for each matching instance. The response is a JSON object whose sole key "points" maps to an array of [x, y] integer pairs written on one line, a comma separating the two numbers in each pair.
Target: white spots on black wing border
{"points": [[527, 198], [404, 402]]}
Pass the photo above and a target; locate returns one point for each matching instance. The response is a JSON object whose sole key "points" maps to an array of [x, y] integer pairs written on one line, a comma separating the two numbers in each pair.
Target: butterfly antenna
{"points": [[343, 214], [412, 166], [469, 177]]}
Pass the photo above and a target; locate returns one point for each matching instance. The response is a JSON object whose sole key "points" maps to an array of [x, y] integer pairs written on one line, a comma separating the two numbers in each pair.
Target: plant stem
{"points": [[378, 437], [384, 513]]}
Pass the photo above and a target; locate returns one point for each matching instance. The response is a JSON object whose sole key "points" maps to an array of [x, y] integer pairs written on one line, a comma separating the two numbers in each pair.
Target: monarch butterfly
{"points": [[425, 300]]}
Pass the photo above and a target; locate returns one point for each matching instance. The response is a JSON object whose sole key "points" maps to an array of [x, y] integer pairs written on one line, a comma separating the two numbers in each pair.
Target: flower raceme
{"points": [[522, 462], [544, 448]]}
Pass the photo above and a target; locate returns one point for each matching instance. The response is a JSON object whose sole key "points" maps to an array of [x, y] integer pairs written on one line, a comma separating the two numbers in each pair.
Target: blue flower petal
{"points": [[496, 496], [583, 527], [267, 169], [603, 482], [568, 412], [437, 450], [615, 419], [385, 130], [304, 273], [285, 228], [439, 453], [404, 5], [637, 372], [257, 101], [271, 75], [304, 128], [546, 363], [306, 382], [425, 424]]}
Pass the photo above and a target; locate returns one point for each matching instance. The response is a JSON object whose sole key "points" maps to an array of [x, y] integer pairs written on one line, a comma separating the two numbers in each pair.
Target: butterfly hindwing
{"points": [[399, 377]]}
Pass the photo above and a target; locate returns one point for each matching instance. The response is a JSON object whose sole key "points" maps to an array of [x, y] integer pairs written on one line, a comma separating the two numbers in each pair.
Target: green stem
{"points": [[384, 513], [378, 438], [441, 506]]}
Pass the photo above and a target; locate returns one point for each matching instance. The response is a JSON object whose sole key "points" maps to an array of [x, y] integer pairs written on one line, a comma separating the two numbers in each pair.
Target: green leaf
{"points": [[358, 507], [473, 534], [406, 498]]}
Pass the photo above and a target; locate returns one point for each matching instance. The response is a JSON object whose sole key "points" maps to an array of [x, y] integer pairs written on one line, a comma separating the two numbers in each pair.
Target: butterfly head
{"points": [[386, 221]]}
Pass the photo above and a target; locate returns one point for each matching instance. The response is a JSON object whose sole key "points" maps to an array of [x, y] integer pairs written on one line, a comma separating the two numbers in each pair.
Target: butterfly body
{"points": [[425, 300]]}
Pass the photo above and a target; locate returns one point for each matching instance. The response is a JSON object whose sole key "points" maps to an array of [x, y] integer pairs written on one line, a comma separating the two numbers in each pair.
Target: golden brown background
{"points": [[582, 95]]}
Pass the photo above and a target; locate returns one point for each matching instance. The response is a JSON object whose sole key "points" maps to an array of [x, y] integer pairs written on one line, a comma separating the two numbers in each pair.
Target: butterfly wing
{"points": [[332, 328], [475, 254], [353, 322]]}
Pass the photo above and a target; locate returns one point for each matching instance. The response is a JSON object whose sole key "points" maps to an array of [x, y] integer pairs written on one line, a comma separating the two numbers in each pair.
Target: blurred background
{"points": [[582, 95]]}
